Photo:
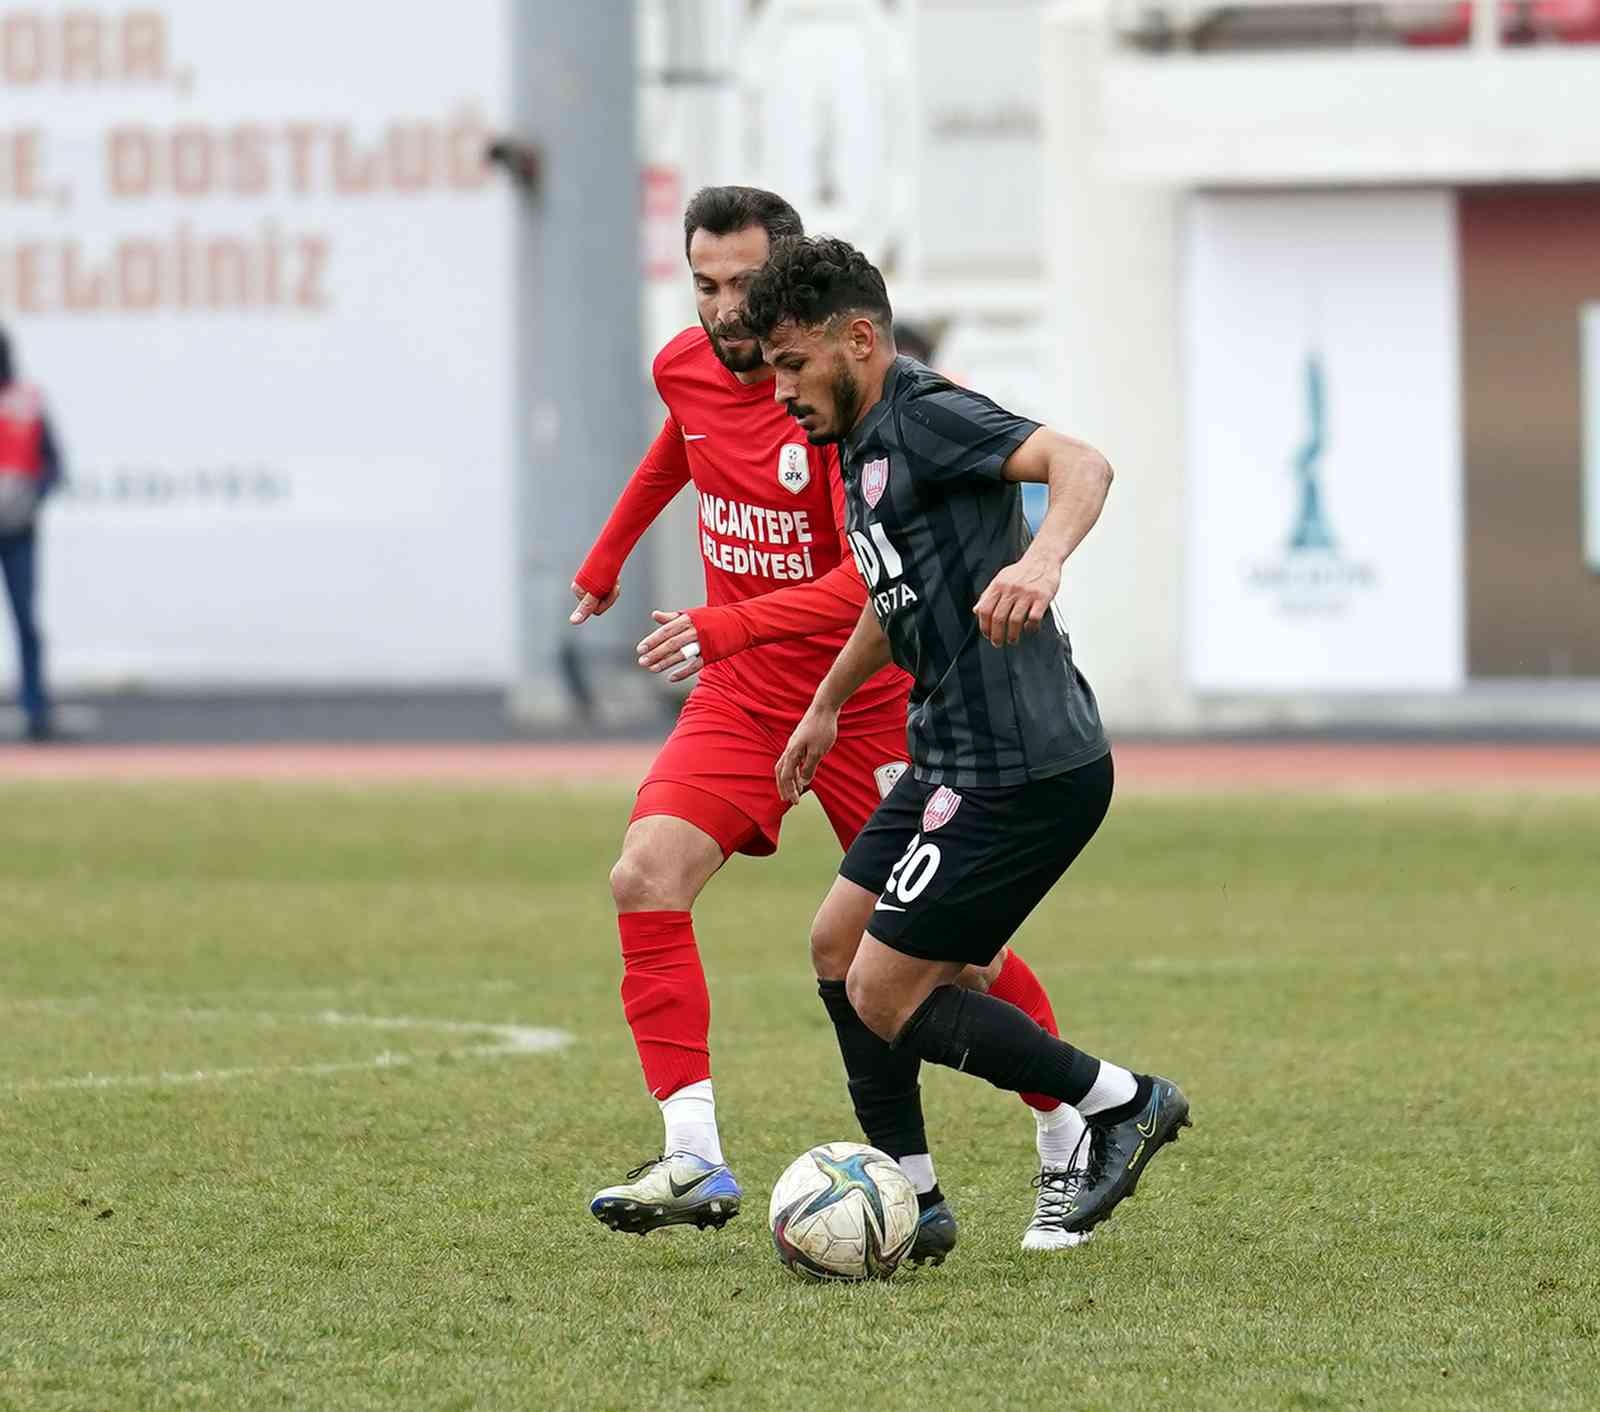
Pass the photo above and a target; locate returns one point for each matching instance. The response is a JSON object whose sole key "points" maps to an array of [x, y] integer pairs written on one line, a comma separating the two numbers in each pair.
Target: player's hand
{"points": [[673, 647], [589, 606], [1016, 600], [812, 739]]}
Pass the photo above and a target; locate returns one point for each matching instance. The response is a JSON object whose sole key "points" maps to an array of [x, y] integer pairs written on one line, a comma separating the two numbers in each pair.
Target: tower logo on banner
{"points": [[1312, 574]]}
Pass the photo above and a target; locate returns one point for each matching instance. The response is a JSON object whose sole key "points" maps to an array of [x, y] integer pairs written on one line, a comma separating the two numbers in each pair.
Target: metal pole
{"points": [[580, 369]]}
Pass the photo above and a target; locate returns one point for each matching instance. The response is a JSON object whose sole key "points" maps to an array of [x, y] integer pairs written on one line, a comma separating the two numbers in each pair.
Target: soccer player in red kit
{"points": [[770, 522]]}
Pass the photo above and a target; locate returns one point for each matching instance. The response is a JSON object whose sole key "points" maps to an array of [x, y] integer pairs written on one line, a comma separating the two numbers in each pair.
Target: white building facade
{"points": [[1316, 278]]}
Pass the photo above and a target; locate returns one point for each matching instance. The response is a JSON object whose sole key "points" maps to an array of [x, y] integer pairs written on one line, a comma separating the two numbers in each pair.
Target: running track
{"points": [[1204, 766]]}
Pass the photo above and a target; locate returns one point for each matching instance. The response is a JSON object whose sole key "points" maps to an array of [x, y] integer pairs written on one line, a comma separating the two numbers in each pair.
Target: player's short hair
{"points": [[5, 357], [812, 281], [726, 210]]}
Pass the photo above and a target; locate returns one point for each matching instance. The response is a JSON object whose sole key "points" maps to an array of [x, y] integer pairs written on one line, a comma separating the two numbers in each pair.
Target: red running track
{"points": [[1202, 766]]}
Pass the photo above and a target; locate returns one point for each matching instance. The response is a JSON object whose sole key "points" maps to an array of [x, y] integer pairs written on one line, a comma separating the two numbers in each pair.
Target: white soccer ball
{"points": [[844, 1211]]}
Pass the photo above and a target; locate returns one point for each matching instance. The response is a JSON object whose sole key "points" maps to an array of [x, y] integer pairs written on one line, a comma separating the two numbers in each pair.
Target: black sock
{"points": [[996, 1041], [1131, 1109], [925, 1199], [883, 1080]]}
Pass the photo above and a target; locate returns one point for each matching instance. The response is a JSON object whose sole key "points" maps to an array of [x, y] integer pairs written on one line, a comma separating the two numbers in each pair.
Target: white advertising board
{"points": [[1323, 505], [253, 257]]}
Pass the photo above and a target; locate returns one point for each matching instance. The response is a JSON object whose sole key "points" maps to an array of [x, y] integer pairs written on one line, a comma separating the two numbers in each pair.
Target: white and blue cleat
{"points": [[1058, 1189], [678, 1189]]}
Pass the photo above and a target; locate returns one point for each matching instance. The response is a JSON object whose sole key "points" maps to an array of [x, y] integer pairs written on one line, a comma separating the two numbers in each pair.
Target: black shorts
{"points": [[958, 871]]}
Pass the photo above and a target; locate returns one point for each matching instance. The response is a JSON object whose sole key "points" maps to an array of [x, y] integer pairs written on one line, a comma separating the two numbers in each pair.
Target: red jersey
{"points": [[771, 516], [21, 432]]}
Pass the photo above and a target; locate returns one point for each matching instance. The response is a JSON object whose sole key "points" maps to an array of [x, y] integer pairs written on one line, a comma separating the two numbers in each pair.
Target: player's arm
{"points": [[660, 476], [1079, 478], [803, 610], [862, 657]]}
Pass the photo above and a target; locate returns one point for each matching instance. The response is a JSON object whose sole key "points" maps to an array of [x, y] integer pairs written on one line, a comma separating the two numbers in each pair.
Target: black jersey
{"points": [[932, 521]]}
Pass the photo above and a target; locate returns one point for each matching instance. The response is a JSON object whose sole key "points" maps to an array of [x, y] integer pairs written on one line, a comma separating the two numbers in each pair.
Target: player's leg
{"points": [[1130, 1115], [1059, 1128], [665, 862], [972, 867], [852, 781], [702, 801], [883, 1081], [884, 1090], [855, 776], [18, 561]]}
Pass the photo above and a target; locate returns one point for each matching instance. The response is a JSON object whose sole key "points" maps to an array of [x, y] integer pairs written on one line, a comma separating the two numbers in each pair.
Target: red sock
{"points": [[1017, 985], [665, 1000]]}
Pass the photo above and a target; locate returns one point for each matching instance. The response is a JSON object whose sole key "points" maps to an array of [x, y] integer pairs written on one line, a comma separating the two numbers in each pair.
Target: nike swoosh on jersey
{"points": [[696, 435]]}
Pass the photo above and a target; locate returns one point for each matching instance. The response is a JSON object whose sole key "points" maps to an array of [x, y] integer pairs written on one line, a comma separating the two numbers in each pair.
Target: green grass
{"points": [[1383, 1013]]}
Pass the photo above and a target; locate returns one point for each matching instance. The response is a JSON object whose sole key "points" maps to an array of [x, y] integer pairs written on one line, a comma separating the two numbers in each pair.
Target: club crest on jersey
{"points": [[794, 467], [940, 808], [888, 776], [874, 480]]}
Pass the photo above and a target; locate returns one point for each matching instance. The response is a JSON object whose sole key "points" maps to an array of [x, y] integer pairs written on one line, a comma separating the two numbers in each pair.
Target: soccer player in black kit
{"points": [[1011, 773]]}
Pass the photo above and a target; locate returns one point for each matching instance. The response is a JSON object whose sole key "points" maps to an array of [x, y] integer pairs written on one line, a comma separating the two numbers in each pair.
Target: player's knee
{"points": [[627, 883], [980, 978], [641, 881], [832, 948], [877, 1008]]}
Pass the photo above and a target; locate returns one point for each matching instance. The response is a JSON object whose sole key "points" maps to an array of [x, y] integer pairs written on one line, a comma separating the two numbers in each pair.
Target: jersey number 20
{"points": [[909, 878]]}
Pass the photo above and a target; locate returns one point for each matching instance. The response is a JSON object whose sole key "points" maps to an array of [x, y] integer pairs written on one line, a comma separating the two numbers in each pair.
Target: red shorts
{"points": [[716, 771]]}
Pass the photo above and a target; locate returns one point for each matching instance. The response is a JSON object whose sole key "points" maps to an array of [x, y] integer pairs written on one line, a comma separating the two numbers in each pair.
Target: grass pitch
{"points": [[214, 1193]]}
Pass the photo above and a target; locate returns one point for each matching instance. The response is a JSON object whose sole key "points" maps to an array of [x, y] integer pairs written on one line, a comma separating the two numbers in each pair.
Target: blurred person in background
{"points": [[30, 467]]}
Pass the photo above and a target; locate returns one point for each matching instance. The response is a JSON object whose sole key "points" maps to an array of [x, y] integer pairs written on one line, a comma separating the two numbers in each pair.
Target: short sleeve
{"points": [[951, 434]]}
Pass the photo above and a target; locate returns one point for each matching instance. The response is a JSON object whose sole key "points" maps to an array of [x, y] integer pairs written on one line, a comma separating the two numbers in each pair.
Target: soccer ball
{"points": [[844, 1211]]}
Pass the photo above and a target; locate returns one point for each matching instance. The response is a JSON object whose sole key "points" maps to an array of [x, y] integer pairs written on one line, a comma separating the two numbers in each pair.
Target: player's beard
{"points": [[735, 361], [846, 402]]}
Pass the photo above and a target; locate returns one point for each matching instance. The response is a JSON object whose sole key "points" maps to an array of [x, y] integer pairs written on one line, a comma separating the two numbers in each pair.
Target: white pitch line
{"points": [[508, 1040]]}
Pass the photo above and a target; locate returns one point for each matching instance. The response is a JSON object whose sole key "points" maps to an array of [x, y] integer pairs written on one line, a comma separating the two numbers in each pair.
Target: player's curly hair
{"points": [[811, 281]]}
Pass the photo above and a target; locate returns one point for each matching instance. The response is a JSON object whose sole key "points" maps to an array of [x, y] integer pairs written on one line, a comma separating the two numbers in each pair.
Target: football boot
{"points": [[937, 1234], [678, 1189], [1120, 1151]]}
